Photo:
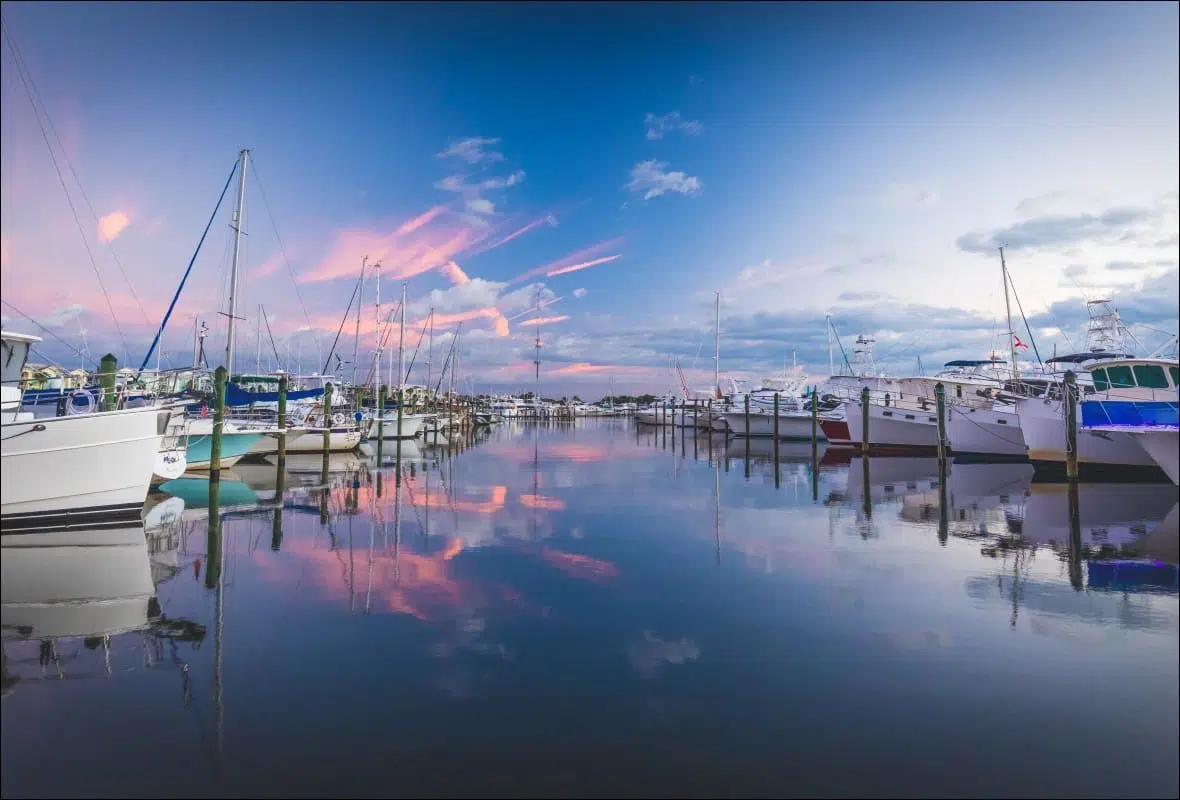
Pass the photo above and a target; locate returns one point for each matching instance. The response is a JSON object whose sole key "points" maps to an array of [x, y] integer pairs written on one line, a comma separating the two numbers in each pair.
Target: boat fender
{"points": [[338, 418], [74, 410], [359, 417]]}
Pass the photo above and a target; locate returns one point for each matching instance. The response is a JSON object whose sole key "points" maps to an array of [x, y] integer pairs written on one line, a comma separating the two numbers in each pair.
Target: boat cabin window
{"points": [[1175, 372], [1113, 378], [959, 392], [1151, 376]]}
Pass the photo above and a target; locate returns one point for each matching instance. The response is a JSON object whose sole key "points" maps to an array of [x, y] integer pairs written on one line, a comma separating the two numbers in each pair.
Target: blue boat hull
{"points": [[233, 447]]}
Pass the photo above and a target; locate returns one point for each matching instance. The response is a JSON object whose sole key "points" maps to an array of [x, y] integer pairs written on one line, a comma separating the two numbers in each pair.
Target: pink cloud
{"points": [[111, 225], [576, 260]]}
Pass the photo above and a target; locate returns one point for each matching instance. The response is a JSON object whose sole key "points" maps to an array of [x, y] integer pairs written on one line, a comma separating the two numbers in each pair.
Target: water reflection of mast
{"points": [[397, 530], [717, 509]]}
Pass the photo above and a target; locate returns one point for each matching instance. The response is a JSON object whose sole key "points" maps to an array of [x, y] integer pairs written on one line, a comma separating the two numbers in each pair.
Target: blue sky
{"points": [[857, 159]]}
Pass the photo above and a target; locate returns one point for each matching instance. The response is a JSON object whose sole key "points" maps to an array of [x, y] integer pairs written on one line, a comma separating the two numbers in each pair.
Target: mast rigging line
{"points": [[25, 81], [286, 260], [73, 172], [340, 330], [271, 336], [384, 335], [75, 350], [425, 327], [188, 269], [1032, 339]]}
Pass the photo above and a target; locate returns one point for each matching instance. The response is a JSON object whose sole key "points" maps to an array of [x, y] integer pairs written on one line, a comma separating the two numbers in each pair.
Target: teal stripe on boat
{"points": [[198, 449]]}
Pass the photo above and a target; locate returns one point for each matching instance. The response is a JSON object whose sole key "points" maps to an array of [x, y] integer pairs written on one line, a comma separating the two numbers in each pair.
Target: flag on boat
{"points": [[1019, 344]]}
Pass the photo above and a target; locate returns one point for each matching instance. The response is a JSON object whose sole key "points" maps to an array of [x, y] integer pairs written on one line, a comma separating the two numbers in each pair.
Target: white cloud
{"points": [[472, 193], [60, 316], [657, 126], [580, 293], [111, 225], [651, 654], [473, 150], [907, 195], [650, 178]]}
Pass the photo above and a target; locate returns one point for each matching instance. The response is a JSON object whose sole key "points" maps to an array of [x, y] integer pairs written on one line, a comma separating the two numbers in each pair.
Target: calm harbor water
{"points": [[584, 611]]}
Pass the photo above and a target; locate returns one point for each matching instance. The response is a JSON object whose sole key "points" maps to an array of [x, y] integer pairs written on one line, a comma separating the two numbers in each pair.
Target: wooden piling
{"points": [[108, 368], [940, 399], [401, 399], [327, 435], [864, 421], [777, 476], [709, 411], [944, 511], [814, 426], [1071, 426], [213, 539], [276, 534]]}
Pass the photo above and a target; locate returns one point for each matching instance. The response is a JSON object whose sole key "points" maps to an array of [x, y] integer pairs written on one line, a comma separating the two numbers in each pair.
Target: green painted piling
{"points": [[219, 378], [276, 534], [107, 369], [327, 435], [380, 424], [940, 399], [1071, 426], [401, 400]]}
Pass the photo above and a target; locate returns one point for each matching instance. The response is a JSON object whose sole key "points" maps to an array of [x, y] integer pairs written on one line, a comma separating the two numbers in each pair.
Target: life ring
{"points": [[74, 410], [338, 418]]}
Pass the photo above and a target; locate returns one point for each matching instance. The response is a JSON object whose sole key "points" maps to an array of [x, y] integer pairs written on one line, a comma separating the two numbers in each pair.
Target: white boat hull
{"points": [[312, 441], [1163, 445], [893, 427], [411, 425], [790, 426], [985, 433], [1042, 423], [70, 469]]}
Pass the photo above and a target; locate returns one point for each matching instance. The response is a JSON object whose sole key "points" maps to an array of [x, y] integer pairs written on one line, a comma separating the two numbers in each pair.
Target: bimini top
{"points": [[11, 336], [970, 363], [1078, 358]]}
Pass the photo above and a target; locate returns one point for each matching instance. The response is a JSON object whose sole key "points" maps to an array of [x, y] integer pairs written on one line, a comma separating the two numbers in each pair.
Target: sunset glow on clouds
{"points": [[661, 203], [110, 226]]}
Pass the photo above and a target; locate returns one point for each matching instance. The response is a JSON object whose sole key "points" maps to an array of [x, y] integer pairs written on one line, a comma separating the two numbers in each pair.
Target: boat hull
{"points": [[411, 426], [1042, 423], [893, 428], [1163, 445], [234, 445], [78, 469], [339, 440], [986, 434], [790, 426], [836, 432]]}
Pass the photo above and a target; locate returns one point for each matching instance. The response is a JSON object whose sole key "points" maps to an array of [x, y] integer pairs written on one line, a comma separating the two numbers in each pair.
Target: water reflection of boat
{"points": [[233, 495], [762, 449], [1112, 517], [304, 463], [92, 584], [1060, 600], [83, 582]]}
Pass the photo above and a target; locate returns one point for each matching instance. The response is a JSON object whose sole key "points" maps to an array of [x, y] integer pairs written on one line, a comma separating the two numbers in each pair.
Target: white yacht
{"points": [[1137, 397], [71, 469]]}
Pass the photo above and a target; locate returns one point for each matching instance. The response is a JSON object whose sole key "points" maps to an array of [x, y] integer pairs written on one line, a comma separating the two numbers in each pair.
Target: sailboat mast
{"points": [[258, 342], [238, 221], [828, 331], [430, 350], [360, 299], [1008, 312], [717, 342], [401, 350], [377, 352]]}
